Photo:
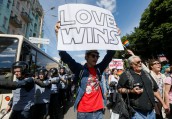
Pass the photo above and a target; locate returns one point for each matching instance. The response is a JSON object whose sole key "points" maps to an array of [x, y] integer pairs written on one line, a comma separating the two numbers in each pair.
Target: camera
{"points": [[139, 85], [113, 84]]}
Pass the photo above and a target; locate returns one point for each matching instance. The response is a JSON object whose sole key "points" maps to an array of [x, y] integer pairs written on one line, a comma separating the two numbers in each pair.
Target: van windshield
{"points": [[8, 52]]}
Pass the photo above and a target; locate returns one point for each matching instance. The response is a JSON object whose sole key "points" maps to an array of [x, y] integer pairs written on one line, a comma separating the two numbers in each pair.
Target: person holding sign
{"points": [[84, 27], [90, 100]]}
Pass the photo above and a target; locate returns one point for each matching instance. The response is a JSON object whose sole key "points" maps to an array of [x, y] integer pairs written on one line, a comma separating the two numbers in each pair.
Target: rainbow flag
{"points": [[126, 43], [119, 72]]}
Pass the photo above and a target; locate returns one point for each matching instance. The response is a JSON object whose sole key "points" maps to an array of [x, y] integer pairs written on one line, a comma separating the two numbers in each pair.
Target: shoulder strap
{"points": [[148, 75], [81, 74], [130, 79], [99, 73]]}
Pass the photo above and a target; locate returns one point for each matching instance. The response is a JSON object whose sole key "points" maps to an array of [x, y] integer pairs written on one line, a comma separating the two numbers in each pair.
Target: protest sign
{"points": [[87, 27], [116, 63]]}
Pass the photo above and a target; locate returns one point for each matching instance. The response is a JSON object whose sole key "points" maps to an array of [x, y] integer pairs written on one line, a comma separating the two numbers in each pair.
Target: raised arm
{"points": [[27, 83], [73, 65], [106, 60], [42, 84]]}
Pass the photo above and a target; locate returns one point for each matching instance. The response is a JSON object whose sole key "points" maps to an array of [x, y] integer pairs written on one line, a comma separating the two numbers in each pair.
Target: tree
{"points": [[154, 34]]}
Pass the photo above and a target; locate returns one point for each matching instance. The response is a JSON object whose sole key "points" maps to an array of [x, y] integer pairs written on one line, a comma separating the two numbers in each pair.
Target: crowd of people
{"points": [[140, 92], [147, 87], [44, 95]]}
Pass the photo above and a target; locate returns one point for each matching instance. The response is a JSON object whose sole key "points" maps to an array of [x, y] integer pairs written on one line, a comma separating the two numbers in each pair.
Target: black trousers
{"points": [[54, 106], [169, 116], [21, 114], [158, 110], [40, 111]]}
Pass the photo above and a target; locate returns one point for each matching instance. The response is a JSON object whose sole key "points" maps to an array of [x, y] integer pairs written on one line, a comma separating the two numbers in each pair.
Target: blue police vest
{"points": [[23, 99], [42, 95], [62, 85], [55, 87]]}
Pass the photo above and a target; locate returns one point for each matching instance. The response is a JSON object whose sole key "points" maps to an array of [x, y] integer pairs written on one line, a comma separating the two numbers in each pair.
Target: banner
{"points": [[87, 27], [116, 63]]}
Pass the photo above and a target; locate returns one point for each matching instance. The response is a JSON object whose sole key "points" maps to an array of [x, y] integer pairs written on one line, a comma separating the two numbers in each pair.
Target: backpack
{"points": [[122, 107]]}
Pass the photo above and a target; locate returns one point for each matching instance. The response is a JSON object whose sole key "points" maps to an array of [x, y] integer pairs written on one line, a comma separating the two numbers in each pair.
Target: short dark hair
{"points": [[113, 70]]}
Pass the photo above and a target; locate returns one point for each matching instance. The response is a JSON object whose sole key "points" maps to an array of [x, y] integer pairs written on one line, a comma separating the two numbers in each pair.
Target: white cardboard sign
{"points": [[87, 27], [116, 63]]}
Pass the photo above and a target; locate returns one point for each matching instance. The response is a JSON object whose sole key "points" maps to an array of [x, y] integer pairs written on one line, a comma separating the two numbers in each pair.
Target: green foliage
{"points": [[154, 34]]}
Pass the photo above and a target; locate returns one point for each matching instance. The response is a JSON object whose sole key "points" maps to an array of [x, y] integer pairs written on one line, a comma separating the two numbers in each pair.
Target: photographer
{"points": [[113, 81], [141, 89]]}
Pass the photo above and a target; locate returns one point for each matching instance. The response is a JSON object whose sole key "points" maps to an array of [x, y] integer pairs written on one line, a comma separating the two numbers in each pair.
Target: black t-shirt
{"points": [[144, 101]]}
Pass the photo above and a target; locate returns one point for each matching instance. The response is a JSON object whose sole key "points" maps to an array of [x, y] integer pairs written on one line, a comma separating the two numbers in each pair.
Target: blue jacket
{"points": [[77, 67], [42, 94], [23, 95], [54, 86], [63, 85]]}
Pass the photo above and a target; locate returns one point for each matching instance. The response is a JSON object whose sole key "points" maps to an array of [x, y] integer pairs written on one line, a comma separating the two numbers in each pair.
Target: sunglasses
{"points": [[94, 56], [155, 63], [138, 62]]}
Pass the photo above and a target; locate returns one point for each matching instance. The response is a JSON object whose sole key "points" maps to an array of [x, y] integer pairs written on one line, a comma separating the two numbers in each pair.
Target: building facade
{"points": [[21, 17]]}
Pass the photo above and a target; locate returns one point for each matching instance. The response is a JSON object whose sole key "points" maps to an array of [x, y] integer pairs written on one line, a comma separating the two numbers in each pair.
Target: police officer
{"points": [[63, 88], [23, 91], [42, 95], [54, 106]]}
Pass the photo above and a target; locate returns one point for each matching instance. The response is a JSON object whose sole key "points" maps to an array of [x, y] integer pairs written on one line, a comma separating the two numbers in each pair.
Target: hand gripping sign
{"points": [[87, 27]]}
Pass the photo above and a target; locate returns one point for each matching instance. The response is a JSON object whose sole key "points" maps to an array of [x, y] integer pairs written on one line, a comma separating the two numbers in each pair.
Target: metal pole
{"points": [[40, 29]]}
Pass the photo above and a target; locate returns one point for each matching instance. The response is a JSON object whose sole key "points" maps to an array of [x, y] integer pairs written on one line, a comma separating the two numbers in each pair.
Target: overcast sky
{"points": [[127, 14]]}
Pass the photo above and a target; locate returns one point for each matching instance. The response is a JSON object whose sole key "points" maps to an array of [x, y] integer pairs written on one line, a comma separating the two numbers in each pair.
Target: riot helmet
{"points": [[22, 65], [43, 72], [53, 72], [62, 71]]}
